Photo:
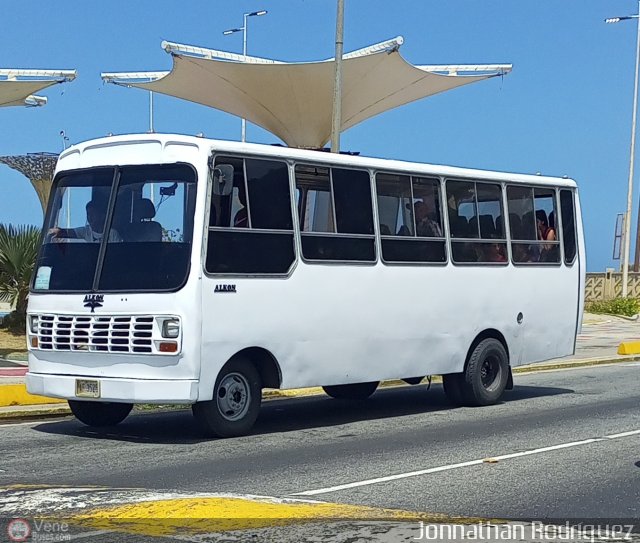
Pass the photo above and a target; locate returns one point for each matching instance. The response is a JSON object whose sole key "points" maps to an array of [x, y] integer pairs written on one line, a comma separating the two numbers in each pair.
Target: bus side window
{"points": [[476, 222], [410, 219], [568, 225], [251, 229], [336, 214], [531, 213]]}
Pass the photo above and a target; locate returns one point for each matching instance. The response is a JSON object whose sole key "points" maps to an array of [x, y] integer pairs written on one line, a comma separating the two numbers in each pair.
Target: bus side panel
{"points": [[548, 300], [333, 324]]}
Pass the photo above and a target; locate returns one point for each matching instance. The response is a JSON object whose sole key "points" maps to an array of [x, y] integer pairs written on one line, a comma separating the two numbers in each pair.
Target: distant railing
{"points": [[607, 285]]}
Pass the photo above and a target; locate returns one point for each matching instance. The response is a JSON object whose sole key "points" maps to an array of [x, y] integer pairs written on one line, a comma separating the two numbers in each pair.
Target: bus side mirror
{"points": [[223, 179]]}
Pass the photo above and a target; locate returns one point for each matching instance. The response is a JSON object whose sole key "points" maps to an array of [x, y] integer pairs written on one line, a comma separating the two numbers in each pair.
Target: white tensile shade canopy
{"points": [[294, 101], [18, 87]]}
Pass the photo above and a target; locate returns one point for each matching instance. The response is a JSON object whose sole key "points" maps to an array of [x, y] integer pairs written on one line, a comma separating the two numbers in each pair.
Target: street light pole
{"points": [[627, 218], [243, 29]]}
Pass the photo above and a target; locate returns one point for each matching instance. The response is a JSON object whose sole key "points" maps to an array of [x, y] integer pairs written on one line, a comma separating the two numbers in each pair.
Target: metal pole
{"points": [[151, 112], [337, 86], [244, 54], [627, 226]]}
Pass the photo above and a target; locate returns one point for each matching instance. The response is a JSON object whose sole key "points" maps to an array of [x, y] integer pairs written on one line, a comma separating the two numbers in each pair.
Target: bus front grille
{"points": [[113, 334]]}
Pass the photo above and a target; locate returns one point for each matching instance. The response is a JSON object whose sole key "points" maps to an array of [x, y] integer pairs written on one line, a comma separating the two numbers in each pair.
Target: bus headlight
{"points": [[33, 324], [171, 328]]}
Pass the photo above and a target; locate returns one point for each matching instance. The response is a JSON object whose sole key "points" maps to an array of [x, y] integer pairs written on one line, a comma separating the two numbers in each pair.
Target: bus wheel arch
{"points": [[488, 333], [265, 363]]}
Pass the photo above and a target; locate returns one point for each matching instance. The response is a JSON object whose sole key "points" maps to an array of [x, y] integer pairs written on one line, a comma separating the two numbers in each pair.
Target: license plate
{"points": [[87, 388]]}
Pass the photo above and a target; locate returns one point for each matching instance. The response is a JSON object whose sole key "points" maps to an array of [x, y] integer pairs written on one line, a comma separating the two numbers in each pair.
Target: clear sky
{"points": [[564, 110]]}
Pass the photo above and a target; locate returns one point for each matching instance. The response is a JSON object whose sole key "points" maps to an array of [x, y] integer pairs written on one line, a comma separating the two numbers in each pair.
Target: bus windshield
{"points": [[147, 214]]}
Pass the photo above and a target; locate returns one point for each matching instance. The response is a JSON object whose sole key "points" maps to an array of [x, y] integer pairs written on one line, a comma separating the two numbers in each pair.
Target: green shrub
{"points": [[616, 306], [18, 251], [14, 322]]}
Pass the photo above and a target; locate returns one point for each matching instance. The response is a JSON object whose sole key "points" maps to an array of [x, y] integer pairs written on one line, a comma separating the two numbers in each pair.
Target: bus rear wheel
{"points": [[486, 375], [355, 391], [100, 413], [236, 401]]}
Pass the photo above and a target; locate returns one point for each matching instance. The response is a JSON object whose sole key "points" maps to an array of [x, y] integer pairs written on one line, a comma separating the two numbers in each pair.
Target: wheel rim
{"points": [[233, 396], [490, 372]]}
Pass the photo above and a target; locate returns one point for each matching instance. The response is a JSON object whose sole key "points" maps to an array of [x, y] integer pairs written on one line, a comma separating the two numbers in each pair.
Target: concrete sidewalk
{"points": [[597, 344]]}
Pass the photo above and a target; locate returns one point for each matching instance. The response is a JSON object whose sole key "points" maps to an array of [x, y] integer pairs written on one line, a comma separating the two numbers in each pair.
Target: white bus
{"points": [[229, 267]]}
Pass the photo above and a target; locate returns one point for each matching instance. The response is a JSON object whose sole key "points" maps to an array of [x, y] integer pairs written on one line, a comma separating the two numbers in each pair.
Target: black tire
{"points": [[234, 408], [355, 391], [486, 375], [100, 413], [452, 384]]}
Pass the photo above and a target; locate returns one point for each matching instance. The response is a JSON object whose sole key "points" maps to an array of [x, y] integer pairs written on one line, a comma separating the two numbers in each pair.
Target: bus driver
{"points": [[92, 232]]}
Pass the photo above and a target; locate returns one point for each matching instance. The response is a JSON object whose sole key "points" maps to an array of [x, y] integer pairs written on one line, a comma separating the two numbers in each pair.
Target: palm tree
{"points": [[18, 252]]}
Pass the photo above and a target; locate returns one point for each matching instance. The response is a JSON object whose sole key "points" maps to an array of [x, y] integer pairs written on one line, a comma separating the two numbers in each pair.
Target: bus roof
{"points": [[208, 146]]}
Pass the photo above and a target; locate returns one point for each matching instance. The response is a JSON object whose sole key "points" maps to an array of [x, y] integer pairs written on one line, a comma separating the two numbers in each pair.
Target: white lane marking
{"points": [[623, 434], [449, 467]]}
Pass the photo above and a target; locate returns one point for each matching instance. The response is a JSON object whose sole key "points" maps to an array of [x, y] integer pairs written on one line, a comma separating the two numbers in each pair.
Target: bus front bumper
{"points": [[114, 390]]}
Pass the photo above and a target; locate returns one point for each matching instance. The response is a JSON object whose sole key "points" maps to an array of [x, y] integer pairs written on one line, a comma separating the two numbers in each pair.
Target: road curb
{"points": [[16, 394], [141, 512]]}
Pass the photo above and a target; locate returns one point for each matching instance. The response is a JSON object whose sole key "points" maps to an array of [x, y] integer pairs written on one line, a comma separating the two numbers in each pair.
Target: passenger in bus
{"points": [[426, 225], [548, 251], [545, 232], [92, 232], [522, 253], [495, 252]]}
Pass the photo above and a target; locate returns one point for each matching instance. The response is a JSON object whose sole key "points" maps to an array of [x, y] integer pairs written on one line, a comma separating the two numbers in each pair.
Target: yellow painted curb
{"points": [[17, 395], [218, 514], [629, 347]]}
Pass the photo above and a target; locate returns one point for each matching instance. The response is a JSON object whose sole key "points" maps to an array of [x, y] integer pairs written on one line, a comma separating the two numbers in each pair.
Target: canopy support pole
{"points": [[337, 87]]}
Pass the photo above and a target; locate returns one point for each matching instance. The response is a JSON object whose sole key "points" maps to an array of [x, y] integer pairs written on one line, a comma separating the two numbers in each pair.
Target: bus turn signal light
{"points": [[168, 347], [34, 342]]}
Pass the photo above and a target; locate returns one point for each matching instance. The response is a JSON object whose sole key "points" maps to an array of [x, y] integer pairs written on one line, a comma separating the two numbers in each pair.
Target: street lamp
{"points": [[627, 222], [243, 29]]}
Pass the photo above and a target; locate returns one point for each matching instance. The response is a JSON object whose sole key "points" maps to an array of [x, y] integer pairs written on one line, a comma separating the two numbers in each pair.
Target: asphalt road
{"points": [[586, 421]]}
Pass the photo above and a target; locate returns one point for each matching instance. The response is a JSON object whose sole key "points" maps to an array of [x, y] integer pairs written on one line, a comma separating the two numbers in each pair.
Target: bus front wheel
{"points": [[236, 401], [355, 391], [100, 413]]}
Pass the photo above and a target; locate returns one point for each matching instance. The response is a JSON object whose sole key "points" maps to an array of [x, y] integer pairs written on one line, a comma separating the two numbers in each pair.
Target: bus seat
{"points": [[143, 228], [500, 228], [515, 225], [403, 231], [487, 227]]}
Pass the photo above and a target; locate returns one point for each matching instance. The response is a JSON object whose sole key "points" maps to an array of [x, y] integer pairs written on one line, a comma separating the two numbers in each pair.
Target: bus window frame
{"points": [[415, 237], [479, 240], [207, 214], [374, 215], [559, 239], [573, 191], [103, 243]]}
